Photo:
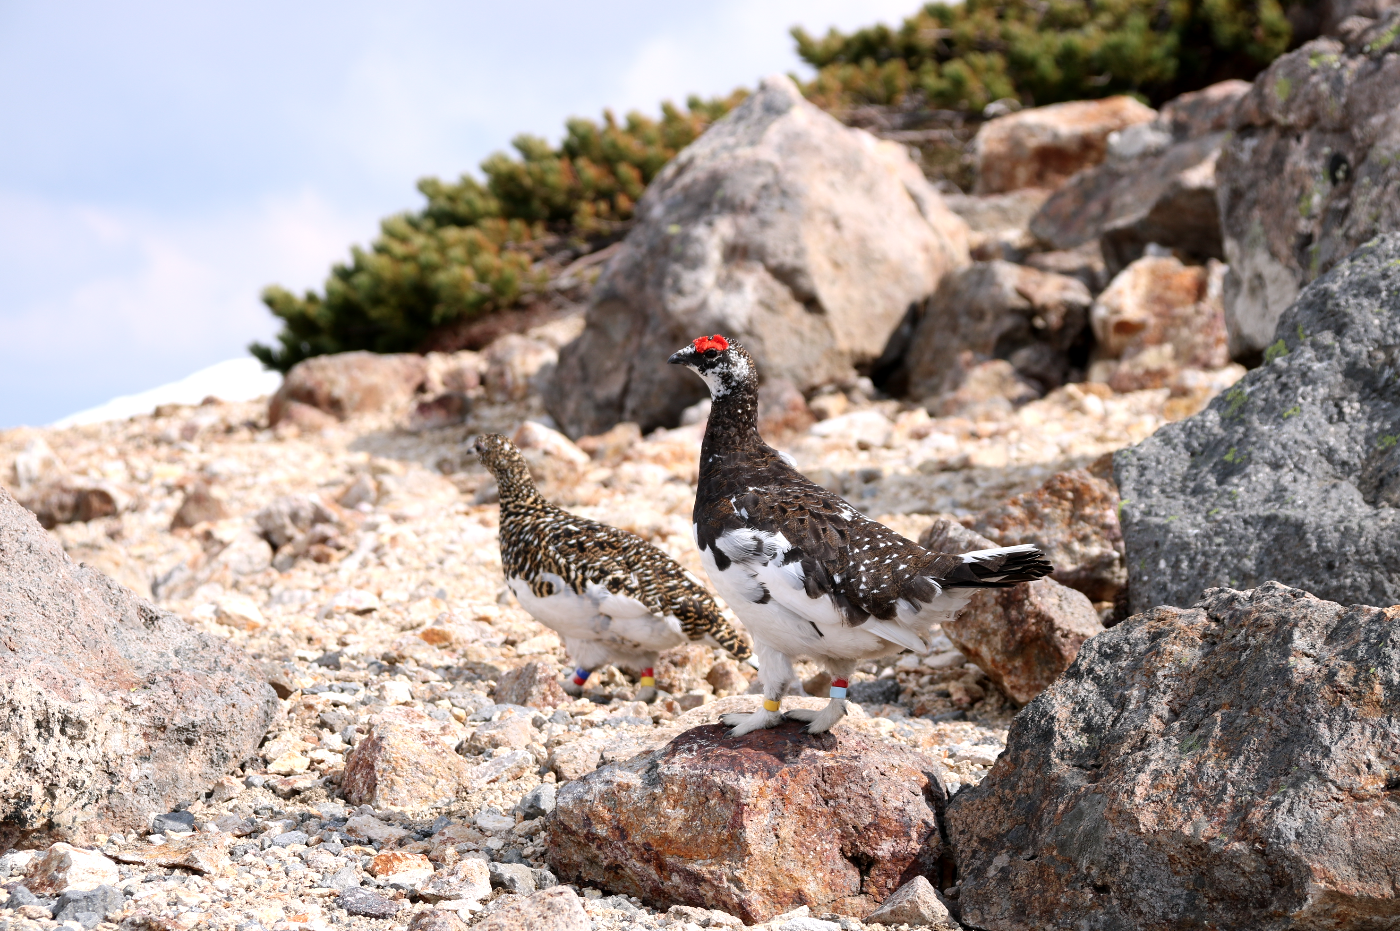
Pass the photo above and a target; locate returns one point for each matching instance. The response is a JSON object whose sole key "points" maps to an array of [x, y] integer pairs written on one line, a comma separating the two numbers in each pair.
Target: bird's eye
{"points": [[711, 353]]}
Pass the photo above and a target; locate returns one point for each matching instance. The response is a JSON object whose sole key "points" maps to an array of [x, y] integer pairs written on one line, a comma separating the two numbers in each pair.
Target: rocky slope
{"points": [[356, 560]]}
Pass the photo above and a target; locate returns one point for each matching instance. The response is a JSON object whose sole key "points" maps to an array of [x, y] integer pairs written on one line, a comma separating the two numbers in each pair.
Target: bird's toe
{"points": [[800, 714]]}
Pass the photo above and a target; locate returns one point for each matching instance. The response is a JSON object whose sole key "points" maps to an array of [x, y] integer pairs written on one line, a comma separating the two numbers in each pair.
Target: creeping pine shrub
{"points": [[476, 248], [963, 56]]}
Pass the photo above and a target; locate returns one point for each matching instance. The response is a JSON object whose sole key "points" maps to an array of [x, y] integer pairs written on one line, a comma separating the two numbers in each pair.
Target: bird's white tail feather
{"points": [[978, 555]]}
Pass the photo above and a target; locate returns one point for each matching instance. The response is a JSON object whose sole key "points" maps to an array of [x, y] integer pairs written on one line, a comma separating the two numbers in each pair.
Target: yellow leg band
{"points": [[648, 680], [770, 705]]}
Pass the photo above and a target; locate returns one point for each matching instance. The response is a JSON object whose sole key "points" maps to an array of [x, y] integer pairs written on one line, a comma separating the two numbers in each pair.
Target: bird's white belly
{"points": [[578, 617], [786, 631]]}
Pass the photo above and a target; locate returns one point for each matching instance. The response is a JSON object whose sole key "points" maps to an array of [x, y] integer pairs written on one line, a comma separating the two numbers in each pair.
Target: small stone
{"points": [[289, 838], [64, 868], [503, 766], [557, 909], [289, 764], [535, 684], [538, 802], [342, 879], [370, 828], [354, 601], [172, 821], [436, 920], [512, 877], [366, 904], [400, 868], [876, 692], [494, 822], [544, 879], [468, 878], [726, 678], [396, 693], [239, 612], [201, 504], [328, 660], [90, 907], [809, 924], [914, 903]]}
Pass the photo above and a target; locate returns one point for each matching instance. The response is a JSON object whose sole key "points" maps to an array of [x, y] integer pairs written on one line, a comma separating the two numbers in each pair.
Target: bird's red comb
{"points": [[711, 342]]}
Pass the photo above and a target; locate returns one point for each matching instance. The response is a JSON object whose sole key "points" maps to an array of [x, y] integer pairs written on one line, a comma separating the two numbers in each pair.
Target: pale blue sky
{"points": [[161, 162]]}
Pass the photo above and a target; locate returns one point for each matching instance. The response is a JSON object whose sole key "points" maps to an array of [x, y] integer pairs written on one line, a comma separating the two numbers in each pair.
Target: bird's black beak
{"points": [[679, 357]]}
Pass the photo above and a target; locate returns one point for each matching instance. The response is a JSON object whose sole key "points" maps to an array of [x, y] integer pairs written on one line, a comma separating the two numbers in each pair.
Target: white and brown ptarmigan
{"points": [[809, 576], [611, 595]]}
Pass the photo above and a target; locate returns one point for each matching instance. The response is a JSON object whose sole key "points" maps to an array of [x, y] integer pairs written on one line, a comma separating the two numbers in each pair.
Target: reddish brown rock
{"points": [[1157, 318], [408, 761], [72, 498], [200, 504], [1022, 637], [684, 668], [110, 709], [1042, 147], [349, 383], [754, 826], [1073, 518], [1230, 765], [534, 684]]}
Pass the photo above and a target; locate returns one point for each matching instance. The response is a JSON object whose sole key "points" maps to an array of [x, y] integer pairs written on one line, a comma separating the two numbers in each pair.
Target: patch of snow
{"points": [[241, 379]]}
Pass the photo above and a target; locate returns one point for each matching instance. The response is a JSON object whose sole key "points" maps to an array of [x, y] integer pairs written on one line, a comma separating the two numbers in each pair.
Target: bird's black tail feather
{"points": [[999, 568]]}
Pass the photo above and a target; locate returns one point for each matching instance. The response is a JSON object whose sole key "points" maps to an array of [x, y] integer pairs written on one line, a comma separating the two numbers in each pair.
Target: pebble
{"points": [[172, 821], [512, 877], [366, 904]]}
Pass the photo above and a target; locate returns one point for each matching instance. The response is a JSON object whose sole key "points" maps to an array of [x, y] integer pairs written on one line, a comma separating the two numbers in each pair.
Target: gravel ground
{"points": [[395, 597]]}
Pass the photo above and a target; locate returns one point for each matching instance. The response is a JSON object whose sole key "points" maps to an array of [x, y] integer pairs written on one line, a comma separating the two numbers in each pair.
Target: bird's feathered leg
{"points": [[573, 686], [819, 722], [775, 674], [647, 692]]}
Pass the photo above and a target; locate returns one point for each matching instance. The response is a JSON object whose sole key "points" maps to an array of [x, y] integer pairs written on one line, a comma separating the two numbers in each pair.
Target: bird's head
{"points": [[724, 365], [502, 459]]}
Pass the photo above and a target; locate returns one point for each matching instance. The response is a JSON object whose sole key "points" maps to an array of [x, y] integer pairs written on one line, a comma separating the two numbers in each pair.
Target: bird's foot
{"points": [[741, 723], [571, 688], [646, 693], [819, 721]]}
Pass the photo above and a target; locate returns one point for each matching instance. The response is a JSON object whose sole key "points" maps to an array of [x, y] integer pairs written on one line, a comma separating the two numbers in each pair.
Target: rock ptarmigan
{"points": [[611, 595], [808, 575]]}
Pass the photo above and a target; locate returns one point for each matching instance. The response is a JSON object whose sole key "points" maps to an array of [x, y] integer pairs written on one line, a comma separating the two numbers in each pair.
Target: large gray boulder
{"points": [[1310, 171], [1294, 473], [1231, 765], [111, 710], [804, 239]]}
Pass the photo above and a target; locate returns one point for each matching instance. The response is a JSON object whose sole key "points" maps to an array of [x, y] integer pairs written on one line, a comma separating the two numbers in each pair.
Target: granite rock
{"points": [[756, 825], [114, 710], [408, 761], [804, 239], [1309, 173], [1294, 473], [348, 383], [1227, 765]]}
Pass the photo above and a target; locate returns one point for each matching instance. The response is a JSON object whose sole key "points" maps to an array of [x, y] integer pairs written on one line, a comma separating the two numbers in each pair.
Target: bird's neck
{"points": [[517, 489], [733, 426]]}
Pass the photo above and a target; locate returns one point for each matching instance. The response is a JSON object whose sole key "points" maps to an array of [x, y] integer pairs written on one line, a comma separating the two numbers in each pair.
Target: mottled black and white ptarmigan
{"points": [[809, 576], [611, 595]]}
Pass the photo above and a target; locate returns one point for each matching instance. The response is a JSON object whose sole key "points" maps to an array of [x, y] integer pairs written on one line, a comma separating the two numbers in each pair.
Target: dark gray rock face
{"points": [[1231, 765], [802, 238], [1294, 473], [997, 310], [111, 711], [1310, 171]]}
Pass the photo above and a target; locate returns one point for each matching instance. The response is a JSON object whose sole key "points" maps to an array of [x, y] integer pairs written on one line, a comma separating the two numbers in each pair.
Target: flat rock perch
{"points": [[111, 710], [754, 826]]}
